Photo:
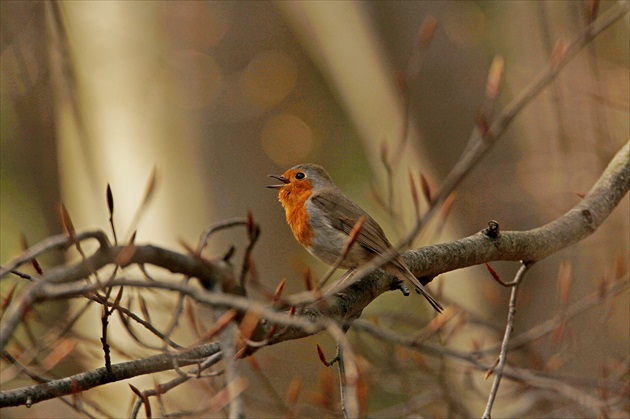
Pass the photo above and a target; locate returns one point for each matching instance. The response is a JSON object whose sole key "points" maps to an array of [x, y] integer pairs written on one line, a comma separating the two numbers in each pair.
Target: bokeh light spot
{"points": [[195, 25], [268, 79], [467, 25], [286, 139]]}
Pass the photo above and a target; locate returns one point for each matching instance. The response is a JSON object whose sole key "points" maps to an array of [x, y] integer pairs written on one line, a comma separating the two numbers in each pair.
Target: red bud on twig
{"points": [[495, 78], [426, 32]]}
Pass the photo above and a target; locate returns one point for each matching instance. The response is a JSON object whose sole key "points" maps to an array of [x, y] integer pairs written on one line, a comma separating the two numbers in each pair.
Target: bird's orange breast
{"points": [[293, 199]]}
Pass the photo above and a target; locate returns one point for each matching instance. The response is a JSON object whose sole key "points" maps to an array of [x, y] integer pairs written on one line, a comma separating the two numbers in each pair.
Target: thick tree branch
{"points": [[532, 245]]}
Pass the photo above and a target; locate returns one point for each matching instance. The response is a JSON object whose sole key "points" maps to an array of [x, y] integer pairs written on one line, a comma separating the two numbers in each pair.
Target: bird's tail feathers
{"points": [[437, 306], [421, 290]]}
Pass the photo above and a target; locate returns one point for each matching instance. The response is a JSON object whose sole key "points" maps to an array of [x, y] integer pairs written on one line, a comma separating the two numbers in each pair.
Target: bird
{"points": [[322, 217]]}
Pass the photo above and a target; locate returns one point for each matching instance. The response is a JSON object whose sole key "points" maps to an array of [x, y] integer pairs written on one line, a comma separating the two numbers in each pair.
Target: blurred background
{"points": [[217, 95]]}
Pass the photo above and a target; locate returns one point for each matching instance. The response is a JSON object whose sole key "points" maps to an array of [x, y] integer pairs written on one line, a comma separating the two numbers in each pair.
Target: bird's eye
{"points": [[300, 175]]}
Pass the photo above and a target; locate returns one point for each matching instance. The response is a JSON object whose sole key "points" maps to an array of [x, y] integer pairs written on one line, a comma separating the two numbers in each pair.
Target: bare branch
{"points": [[532, 245], [509, 326], [87, 380], [207, 272]]}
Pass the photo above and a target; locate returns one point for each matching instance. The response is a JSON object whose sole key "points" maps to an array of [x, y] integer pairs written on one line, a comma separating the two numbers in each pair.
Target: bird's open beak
{"points": [[281, 179]]}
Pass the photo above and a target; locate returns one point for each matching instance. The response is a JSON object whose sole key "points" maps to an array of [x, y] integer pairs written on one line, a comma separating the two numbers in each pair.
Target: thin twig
{"points": [[60, 241], [509, 326], [146, 200], [253, 233], [106, 348], [179, 309], [221, 225], [163, 388], [532, 379], [342, 381], [575, 309], [123, 311], [348, 371], [227, 337]]}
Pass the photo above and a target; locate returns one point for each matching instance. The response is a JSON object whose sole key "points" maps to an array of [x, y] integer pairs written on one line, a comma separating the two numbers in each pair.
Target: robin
{"points": [[321, 217]]}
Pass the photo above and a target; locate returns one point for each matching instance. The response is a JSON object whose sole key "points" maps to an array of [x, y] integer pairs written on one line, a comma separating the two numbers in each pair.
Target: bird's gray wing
{"points": [[343, 214]]}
